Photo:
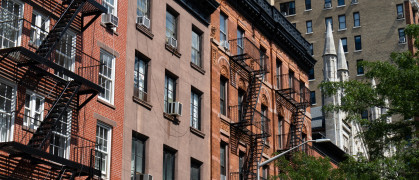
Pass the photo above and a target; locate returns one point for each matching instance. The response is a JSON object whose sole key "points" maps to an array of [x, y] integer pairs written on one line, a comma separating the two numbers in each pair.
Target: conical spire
{"points": [[329, 45], [341, 58]]}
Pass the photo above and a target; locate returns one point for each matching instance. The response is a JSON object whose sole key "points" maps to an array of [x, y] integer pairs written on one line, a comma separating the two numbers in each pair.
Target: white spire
{"points": [[341, 58], [329, 45]]}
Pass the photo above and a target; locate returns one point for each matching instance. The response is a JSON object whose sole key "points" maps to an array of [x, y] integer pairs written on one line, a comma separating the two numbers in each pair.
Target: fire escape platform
{"points": [[16, 149], [25, 57], [92, 8]]}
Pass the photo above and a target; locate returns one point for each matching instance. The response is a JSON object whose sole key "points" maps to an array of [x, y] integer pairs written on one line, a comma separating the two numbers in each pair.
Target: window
{"points": [[278, 73], [137, 158], [223, 95], [341, 2], [34, 110], [242, 156], [195, 170], [280, 121], [168, 164], [60, 140], [364, 114], [196, 110], [111, 6], [171, 25], [287, 8], [65, 53], [169, 91], [327, 4], [358, 45], [107, 75], [240, 41], [344, 44], [143, 8], [329, 20], [265, 172], [357, 21], [103, 147], [262, 61], [7, 99], [313, 97], [241, 94], [39, 28], [196, 48], [402, 37], [359, 67], [223, 27], [264, 119], [309, 27], [140, 77], [223, 161], [311, 49], [342, 22], [11, 12], [400, 14], [311, 74], [308, 4]]}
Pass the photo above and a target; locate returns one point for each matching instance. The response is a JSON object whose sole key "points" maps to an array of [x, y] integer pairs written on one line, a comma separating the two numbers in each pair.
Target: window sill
{"points": [[144, 30], [197, 68], [311, 79], [359, 75], [400, 19], [110, 29], [354, 3], [197, 132], [346, 52], [341, 6], [142, 102], [105, 103], [327, 8], [342, 29], [356, 27], [402, 43], [310, 33], [358, 51], [171, 118], [174, 51], [291, 15], [308, 10]]}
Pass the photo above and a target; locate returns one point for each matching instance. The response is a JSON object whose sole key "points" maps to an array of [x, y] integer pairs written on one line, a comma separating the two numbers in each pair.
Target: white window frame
{"points": [[167, 91], [112, 78], [197, 50], [66, 137], [19, 25], [225, 28], [108, 153], [32, 110], [66, 61], [114, 6], [138, 9], [140, 77], [37, 25], [9, 127]]}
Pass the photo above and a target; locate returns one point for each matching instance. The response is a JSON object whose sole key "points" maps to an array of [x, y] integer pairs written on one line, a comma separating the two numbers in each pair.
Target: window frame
{"points": [[311, 75], [313, 97], [223, 163], [344, 45], [169, 32], [195, 164], [308, 5], [198, 60], [400, 12], [224, 98], [341, 3], [342, 23], [18, 30], [172, 153], [195, 122], [286, 8], [108, 158], [140, 10], [402, 34], [357, 19], [8, 132], [63, 59], [326, 2], [37, 27], [137, 74], [223, 35], [114, 6], [309, 29], [358, 44], [134, 155], [359, 68], [66, 137], [112, 78], [32, 110], [168, 78], [331, 22], [311, 49], [240, 40]]}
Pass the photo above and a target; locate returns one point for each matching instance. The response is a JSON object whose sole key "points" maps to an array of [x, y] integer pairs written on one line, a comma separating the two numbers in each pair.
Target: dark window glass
{"points": [[223, 27], [344, 44], [400, 13], [196, 48], [313, 97], [168, 164], [308, 4], [311, 49], [309, 27], [223, 96], [140, 78], [137, 158], [195, 170], [311, 74], [327, 3], [359, 67], [196, 110], [241, 163], [287, 8], [357, 21], [169, 92], [171, 27], [341, 2], [240, 45], [402, 37], [223, 161], [241, 94], [364, 114], [358, 44], [342, 22]]}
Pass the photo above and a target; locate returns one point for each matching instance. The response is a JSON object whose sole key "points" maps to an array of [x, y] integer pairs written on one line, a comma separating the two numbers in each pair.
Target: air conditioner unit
{"points": [[139, 176], [110, 20], [225, 45], [143, 20], [402, 40], [175, 108], [399, 15], [354, 1], [328, 5], [172, 42]]}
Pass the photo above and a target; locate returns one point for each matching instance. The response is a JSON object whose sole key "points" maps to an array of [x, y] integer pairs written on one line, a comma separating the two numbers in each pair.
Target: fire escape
{"points": [[29, 56], [249, 125]]}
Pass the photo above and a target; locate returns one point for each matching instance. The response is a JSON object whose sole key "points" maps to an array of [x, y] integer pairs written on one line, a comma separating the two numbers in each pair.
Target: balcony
{"points": [[65, 149], [20, 39], [292, 89], [259, 121]]}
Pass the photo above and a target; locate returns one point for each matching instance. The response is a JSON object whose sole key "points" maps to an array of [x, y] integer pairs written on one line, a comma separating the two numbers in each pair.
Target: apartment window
{"points": [[265, 172], [329, 20], [168, 164], [287, 8], [171, 25], [278, 73], [358, 44], [359, 67], [223, 161], [196, 110], [34, 110], [195, 170], [280, 125], [137, 157], [241, 94], [65, 54], [357, 21], [11, 12], [327, 4], [402, 36], [107, 75], [103, 147], [240, 41], [223, 95], [264, 119], [311, 49], [196, 48], [400, 13], [140, 77], [308, 4], [223, 27], [60, 139], [311, 74], [242, 156], [309, 26], [111, 6], [169, 91], [262, 61], [313, 97], [39, 28], [7, 96], [143, 8], [342, 22], [344, 44], [341, 2]]}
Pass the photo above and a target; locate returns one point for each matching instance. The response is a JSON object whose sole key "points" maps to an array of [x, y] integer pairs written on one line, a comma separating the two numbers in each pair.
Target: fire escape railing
{"points": [[293, 88]]}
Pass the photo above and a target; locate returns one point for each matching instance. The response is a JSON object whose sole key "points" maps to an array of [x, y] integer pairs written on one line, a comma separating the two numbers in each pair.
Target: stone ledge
{"points": [[171, 118], [174, 51], [199, 69], [144, 30], [197, 132], [142, 102]]}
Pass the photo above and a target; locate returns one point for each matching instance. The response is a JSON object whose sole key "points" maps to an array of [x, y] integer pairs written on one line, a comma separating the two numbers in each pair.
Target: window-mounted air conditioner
{"points": [[143, 20], [172, 42], [143, 177], [402, 40], [399, 15], [175, 108], [328, 5], [110, 20], [225, 45]]}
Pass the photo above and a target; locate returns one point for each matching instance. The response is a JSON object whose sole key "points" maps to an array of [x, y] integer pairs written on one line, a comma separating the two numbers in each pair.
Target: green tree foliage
{"points": [[397, 90]]}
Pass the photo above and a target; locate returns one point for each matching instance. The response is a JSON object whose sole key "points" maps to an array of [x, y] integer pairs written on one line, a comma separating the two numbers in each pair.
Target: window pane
{"points": [[344, 44], [342, 22], [358, 45]]}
